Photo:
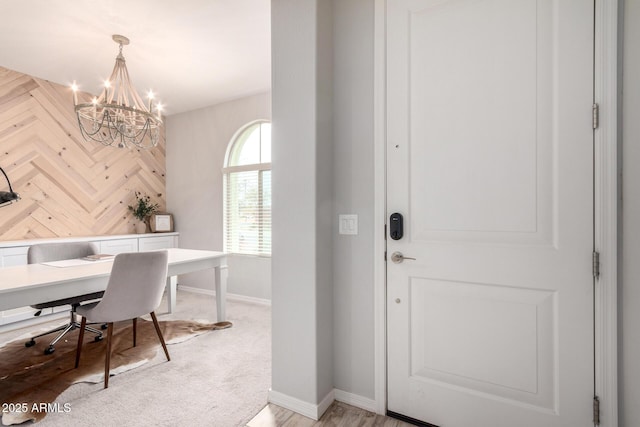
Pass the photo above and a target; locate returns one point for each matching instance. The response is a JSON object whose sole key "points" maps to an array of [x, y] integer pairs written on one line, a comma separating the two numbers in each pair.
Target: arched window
{"points": [[247, 191]]}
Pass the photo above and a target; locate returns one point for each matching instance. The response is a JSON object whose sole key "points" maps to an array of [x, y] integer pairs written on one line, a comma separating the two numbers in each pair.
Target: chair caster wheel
{"points": [[98, 338], [30, 343], [104, 326], [50, 350]]}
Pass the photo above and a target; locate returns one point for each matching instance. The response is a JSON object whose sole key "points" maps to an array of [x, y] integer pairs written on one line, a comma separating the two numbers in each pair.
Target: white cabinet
{"points": [[18, 314], [13, 256]]}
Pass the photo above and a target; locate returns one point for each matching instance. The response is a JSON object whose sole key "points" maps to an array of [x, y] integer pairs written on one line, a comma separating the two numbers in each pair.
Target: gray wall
{"points": [[354, 194], [323, 125], [324, 196], [629, 298], [196, 145], [301, 179]]}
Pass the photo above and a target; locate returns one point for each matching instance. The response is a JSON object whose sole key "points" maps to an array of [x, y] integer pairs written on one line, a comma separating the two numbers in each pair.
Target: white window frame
{"points": [[228, 170]]}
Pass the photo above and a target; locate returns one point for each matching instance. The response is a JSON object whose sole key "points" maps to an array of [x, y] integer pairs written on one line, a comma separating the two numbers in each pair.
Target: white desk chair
{"points": [[135, 288], [48, 252]]}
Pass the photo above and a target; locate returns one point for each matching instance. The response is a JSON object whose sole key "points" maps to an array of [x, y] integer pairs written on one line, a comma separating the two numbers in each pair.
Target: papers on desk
{"points": [[98, 257], [79, 261]]}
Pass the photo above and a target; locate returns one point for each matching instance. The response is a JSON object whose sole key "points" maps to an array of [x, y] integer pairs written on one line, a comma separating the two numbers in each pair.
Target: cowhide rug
{"points": [[31, 380]]}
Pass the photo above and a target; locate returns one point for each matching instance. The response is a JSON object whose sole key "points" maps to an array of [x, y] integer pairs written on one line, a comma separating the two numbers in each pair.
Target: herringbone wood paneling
{"points": [[69, 187]]}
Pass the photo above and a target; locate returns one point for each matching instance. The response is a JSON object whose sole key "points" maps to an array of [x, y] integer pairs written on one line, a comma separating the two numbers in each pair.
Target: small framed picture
{"points": [[161, 222]]}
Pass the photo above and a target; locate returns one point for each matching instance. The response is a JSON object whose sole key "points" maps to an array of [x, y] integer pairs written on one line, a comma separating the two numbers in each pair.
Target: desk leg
{"points": [[221, 291], [172, 285]]}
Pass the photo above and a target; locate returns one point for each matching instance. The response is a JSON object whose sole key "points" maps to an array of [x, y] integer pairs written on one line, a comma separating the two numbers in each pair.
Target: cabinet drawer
{"points": [[13, 256], [153, 243], [114, 247]]}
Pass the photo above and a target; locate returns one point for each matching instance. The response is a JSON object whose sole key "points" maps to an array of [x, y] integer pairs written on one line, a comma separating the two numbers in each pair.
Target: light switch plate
{"points": [[348, 224]]}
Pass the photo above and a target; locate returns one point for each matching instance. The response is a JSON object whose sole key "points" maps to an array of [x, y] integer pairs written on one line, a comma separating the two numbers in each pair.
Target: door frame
{"points": [[605, 208]]}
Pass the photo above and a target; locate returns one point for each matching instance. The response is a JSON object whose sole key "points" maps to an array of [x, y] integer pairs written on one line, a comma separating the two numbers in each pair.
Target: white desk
{"points": [[26, 285]]}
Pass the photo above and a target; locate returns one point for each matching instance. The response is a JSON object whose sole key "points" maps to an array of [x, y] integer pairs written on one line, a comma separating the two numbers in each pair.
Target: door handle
{"points": [[397, 257]]}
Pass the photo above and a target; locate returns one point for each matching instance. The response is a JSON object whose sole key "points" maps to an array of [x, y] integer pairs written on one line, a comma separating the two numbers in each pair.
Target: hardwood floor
{"points": [[338, 415]]}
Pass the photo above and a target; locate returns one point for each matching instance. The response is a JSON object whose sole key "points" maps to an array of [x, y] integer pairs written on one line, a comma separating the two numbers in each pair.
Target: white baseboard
{"points": [[236, 297], [307, 409], [355, 400], [315, 411], [325, 403], [193, 290]]}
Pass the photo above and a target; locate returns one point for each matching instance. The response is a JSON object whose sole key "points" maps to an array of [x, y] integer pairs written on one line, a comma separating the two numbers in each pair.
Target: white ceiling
{"points": [[192, 53]]}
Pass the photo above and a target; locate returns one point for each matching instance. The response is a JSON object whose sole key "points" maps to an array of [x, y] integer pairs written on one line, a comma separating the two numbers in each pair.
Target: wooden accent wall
{"points": [[69, 187]]}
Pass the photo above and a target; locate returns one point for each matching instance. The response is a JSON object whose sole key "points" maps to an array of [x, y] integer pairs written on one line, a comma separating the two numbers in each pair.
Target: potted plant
{"points": [[142, 210]]}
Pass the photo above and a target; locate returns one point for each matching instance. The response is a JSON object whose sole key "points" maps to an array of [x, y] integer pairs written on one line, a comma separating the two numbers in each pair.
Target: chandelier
{"points": [[118, 115]]}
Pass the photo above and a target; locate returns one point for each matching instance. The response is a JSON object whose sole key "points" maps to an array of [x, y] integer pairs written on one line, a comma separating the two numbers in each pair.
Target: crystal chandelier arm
{"points": [[137, 101], [123, 88], [105, 130]]}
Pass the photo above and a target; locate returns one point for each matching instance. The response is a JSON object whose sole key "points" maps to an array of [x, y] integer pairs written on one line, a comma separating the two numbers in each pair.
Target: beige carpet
{"points": [[216, 379], [35, 380]]}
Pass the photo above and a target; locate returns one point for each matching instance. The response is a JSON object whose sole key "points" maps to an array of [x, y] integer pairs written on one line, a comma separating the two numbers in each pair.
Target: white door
{"points": [[490, 162]]}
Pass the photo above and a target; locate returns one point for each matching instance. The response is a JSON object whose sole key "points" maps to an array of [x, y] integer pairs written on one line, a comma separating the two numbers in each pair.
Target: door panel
{"points": [[477, 336], [489, 159], [472, 104]]}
